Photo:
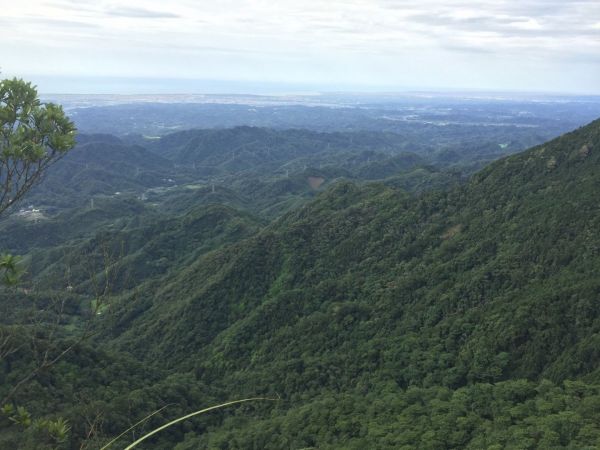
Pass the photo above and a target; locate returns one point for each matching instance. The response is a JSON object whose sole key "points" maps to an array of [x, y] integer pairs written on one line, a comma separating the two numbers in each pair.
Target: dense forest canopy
{"points": [[390, 295]]}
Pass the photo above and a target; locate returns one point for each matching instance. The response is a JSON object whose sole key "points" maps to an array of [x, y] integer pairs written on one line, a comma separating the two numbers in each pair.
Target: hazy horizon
{"points": [[133, 86]]}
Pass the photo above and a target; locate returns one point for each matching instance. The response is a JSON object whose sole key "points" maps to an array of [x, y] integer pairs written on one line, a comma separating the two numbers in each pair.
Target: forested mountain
{"points": [[264, 151], [462, 317], [100, 165], [249, 147], [263, 171], [367, 289]]}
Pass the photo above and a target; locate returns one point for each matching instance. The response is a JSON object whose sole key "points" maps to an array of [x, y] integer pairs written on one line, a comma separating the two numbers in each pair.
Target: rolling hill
{"points": [[464, 317]]}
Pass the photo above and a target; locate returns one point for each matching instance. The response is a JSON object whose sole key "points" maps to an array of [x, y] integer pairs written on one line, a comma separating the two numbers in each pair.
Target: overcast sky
{"points": [[523, 45]]}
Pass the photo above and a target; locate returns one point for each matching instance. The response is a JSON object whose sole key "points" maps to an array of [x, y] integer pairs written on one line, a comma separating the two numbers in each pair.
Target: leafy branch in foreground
{"points": [[53, 432], [10, 270]]}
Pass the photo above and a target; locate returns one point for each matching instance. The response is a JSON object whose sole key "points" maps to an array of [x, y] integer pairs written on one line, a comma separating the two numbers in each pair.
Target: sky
{"points": [[255, 46]]}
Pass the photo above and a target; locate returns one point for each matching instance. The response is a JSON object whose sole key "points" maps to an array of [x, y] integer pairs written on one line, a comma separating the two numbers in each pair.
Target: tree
{"points": [[33, 136]]}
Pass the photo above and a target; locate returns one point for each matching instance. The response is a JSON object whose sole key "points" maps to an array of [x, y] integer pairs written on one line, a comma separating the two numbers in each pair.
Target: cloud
{"points": [[58, 23], [140, 13], [468, 49], [389, 41]]}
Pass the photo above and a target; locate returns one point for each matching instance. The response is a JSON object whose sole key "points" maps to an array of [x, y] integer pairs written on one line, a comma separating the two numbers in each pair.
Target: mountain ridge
{"points": [[417, 235]]}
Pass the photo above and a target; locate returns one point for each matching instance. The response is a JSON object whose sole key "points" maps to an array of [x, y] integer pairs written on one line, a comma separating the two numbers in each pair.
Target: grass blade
{"points": [[180, 419], [133, 426]]}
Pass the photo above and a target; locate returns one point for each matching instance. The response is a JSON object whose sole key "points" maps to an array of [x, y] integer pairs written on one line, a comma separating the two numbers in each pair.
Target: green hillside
{"points": [[218, 151], [367, 287], [519, 227], [100, 165], [458, 318]]}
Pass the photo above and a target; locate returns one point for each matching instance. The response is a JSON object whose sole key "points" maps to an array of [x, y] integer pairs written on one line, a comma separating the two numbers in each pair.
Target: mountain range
{"points": [[463, 314]]}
